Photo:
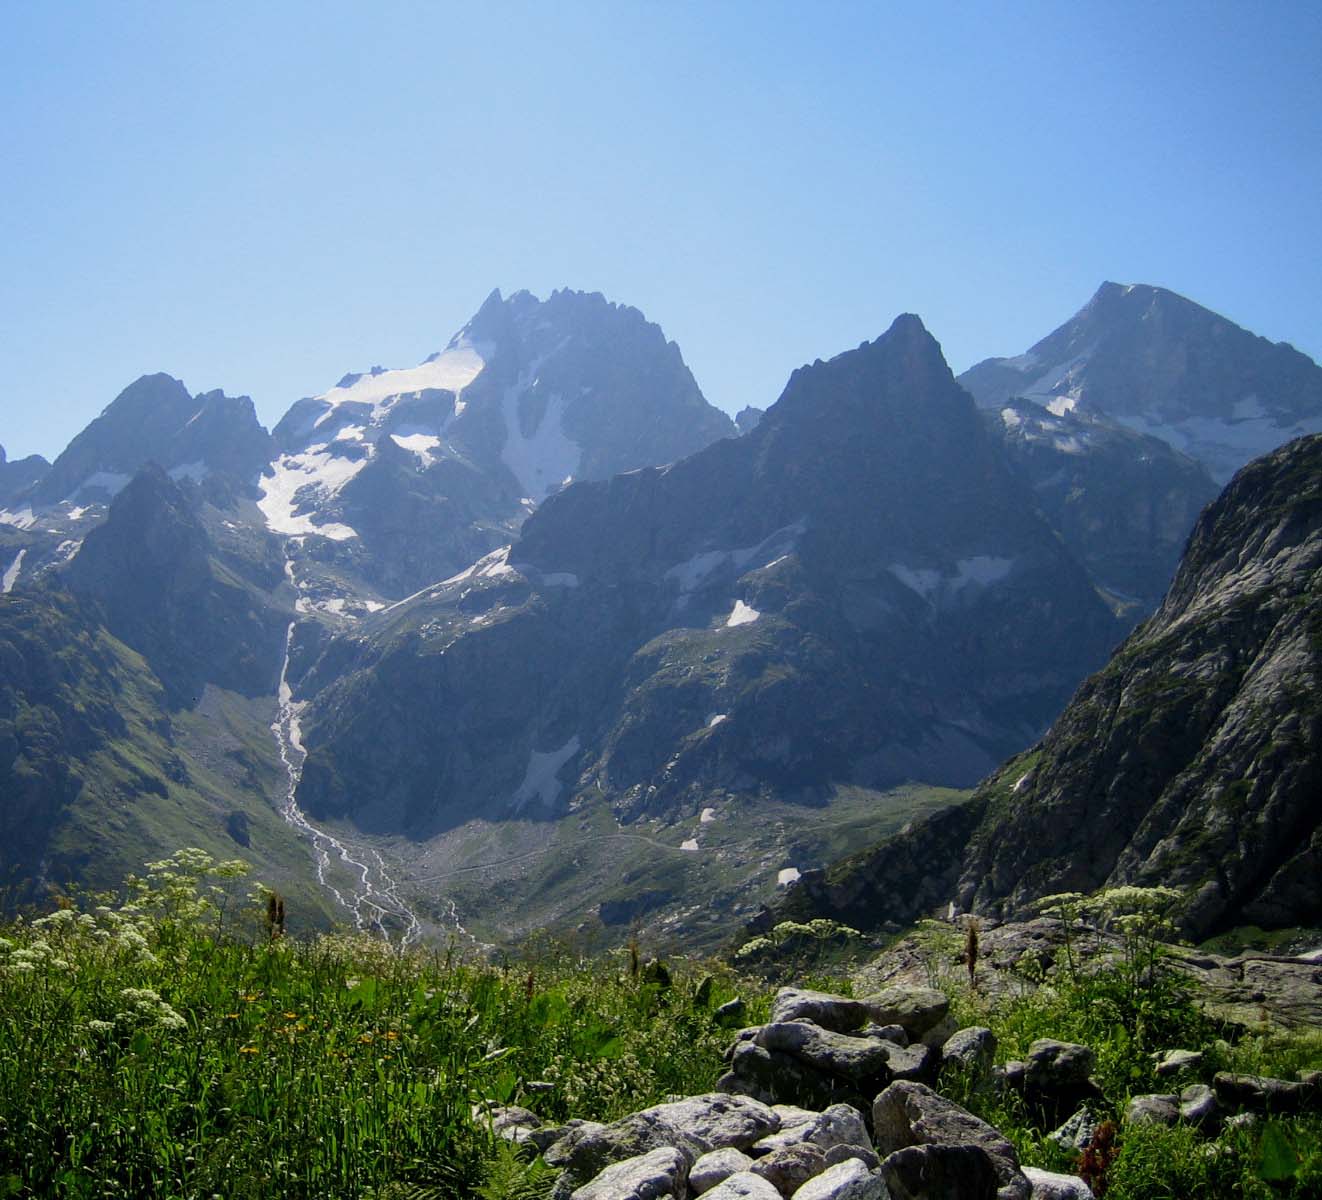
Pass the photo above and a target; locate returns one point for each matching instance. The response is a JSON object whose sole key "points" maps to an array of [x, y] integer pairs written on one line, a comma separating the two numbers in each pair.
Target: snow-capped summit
{"points": [[1163, 365], [418, 471]]}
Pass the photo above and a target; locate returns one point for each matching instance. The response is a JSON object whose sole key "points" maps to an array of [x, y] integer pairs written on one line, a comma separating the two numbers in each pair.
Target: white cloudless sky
{"points": [[261, 197]]}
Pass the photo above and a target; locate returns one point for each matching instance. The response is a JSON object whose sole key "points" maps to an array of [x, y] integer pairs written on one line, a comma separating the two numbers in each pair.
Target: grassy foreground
{"points": [[171, 1044], [155, 1048]]}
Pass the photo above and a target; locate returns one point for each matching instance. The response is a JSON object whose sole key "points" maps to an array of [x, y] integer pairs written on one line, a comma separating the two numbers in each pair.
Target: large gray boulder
{"points": [[848, 1180], [715, 1167], [777, 1077], [916, 1009], [838, 1125], [853, 1058], [1055, 1066], [790, 1167], [970, 1051], [743, 1186], [651, 1176], [1154, 1109], [837, 1013], [909, 1118], [1261, 1093], [1049, 1185]]}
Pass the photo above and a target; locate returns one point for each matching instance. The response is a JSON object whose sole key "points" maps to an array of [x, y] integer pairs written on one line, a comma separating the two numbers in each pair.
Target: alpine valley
{"points": [[531, 635]]}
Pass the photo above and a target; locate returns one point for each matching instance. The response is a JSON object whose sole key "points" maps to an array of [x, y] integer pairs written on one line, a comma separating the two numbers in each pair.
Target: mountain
{"points": [[1162, 365], [412, 474], [1193, 759], [855, 593], [18, 477], [162, 587], [155, 419], [1123, 502]]}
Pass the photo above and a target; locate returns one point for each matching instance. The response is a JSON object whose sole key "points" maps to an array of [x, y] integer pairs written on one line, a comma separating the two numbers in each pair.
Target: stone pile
{"points": [[829, 1100]]}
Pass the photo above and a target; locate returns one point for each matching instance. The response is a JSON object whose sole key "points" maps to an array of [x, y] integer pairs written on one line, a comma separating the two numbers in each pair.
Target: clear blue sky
{"points": [[260, 197]]}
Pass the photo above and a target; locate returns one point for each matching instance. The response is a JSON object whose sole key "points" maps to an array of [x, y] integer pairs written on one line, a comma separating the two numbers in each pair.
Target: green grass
{"points": [[163, 1050]]}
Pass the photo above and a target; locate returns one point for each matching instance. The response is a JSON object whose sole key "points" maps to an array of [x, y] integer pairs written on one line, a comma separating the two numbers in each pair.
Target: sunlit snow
{"points": [[715, 719], [689, 844], [547, 457], [452, 370], [424, 445], [708, 815], [22, 518], [787, 876], [742, 614], [314, 468], [11, 572]]}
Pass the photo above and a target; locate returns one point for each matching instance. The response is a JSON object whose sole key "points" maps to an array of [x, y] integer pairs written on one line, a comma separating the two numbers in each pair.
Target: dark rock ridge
{"points": [[1160, 364], [857, 590], [155, 419], [1193, 759]]}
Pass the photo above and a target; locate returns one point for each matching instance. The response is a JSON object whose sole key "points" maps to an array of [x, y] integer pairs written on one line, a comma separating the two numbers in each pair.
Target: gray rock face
{"points": [[934, 1136], [1199, 1106], [1175, 1061], [1050, 1185], [848, 1180], [775, 1077], [651, 1176], [715, 1166]]}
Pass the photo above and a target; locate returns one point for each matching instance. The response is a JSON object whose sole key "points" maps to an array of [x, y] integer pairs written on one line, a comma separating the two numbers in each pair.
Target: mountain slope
{"points": [[1193, 759], [17, 477], [855, 592], [1163, 365]]}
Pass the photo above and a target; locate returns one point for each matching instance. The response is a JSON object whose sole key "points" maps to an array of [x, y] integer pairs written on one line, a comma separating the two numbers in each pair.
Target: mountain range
{"points": [[530, 633]]}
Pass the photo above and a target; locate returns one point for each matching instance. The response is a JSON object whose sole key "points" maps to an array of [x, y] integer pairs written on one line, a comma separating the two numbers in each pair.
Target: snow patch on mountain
{"points": [[22, 518], [315, 474], [11, 572], [695, 572], [786, 876], [424, 445], [110, 482], [545, 459], [452, 370], [982, 570], [1222, 444], [540, 778], [741, 614]]}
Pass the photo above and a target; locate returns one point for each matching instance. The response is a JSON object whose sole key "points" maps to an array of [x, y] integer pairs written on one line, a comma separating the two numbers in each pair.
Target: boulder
{"points": [[1056, 1066], [776, 1077], [836, 1013], [848, 1180], [838, 1125], [1199, 1106], [912, 1115], [1261, 1093], [1049, 1185], [887, 1033], [970, 1051], [788, 1168], [693, 1126], [1077, 1132], [743, 1186], [1152, 1109], [730, 1012], [865, 1154], [649, 1176], [716, 1166], [915, 1009], [853, 1058], [1172, 1062], [942, 1172]]}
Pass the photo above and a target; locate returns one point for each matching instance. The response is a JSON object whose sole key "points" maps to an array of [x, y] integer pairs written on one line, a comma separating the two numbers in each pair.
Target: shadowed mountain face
{"points": [[1159, 364], [156, 420], [154, 574], [1191, 760], [857, 590], [17, 477]]}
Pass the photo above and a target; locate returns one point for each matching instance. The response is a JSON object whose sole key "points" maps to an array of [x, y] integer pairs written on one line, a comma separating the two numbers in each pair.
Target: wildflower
{"points": [[290, 1016], [247, 1049], [365, 1038], [392, 1036]]}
